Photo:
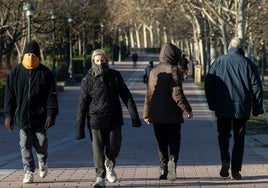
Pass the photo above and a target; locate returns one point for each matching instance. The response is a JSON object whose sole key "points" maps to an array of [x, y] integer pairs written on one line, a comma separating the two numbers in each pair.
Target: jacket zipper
{"points": [[29, 92]]}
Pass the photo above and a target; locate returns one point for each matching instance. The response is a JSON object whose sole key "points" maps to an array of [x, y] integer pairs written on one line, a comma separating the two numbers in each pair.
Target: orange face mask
{"points": [[30, 61]]}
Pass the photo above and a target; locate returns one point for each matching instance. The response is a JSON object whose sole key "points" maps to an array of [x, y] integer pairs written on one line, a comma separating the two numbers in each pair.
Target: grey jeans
{"points": [[106, 144], [30, 138]]}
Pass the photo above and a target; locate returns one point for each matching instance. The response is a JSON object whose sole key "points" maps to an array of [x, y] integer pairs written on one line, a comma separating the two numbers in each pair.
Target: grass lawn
{"points": [[256, 125]]}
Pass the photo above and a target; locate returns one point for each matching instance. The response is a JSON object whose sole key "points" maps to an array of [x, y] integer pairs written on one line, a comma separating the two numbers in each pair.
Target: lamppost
{"points": [[119, 44], [84, 47], [101, 25], [29, 9], [70, 20], [53, 18], [263, 59], [95, 24]]}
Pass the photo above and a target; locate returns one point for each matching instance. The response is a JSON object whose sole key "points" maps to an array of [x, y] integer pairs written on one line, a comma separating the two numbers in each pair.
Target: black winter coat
{"points": [[233, 86], [30, 96], [99, 101]]}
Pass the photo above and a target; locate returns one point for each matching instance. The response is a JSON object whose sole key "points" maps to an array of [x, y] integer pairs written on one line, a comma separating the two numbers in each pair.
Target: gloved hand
{"points": [[256, 112], [9, 122], [136, 123], [50, 121], [80, 135]]}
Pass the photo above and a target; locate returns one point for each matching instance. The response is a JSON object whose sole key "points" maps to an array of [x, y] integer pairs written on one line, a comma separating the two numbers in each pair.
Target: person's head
{"points": [[99, 62], [170, 53], [151, 63], [236, 43], [31, 55], [99, 57]]}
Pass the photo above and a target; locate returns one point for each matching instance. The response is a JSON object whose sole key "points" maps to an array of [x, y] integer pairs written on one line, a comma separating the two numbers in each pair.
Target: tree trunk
{"points": [[240, 18], [132, 44], [144, 36], [164, 35], [151, 37], [224, 36]]}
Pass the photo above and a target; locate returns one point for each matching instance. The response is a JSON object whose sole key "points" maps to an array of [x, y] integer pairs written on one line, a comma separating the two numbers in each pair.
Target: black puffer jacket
{"points": [[233, 86], [100, 102], [30, 96]]}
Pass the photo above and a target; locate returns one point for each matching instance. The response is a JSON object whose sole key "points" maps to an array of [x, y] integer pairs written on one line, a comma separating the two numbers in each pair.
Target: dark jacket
{"points": [[30, 96], [146, 73], [184, 63], [100, 101], [165, 101], [233, 86]]}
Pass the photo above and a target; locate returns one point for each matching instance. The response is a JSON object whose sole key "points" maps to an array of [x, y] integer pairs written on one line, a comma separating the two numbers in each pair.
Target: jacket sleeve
{"points": [[129, 102], [82, 110], [257, 92], [177, 91], [209, 88], [52, 102], [10, 98]]}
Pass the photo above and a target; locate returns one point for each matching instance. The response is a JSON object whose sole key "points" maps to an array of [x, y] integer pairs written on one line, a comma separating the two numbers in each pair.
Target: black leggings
{"points": [[168, 137]]}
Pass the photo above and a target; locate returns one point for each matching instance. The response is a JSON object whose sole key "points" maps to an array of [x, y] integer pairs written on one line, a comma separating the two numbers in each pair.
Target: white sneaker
{"points": [[171, 176], [100, 182], [28, 177], [42, 170], [110, 173]]}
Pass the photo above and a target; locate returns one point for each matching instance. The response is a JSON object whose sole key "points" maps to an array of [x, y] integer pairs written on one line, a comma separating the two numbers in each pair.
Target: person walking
{"points": [[147, 71], [164, 105], [135, 59], [31, 99], [99, 104], [184, 66], [233, 88]]}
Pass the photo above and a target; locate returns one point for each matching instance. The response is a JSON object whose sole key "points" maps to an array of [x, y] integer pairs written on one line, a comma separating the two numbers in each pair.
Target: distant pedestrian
{"points": [[31, 99], [184, 66], [99, 103], [233, 88], [164, 105], [135, 59], [147, 71]]}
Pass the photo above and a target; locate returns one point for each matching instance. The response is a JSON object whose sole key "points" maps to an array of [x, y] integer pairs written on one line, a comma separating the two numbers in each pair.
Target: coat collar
{"points": [[236, 51]]}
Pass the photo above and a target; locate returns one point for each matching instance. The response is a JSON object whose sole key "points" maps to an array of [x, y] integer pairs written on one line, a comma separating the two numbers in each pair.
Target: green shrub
{"points": [[78, 64]]}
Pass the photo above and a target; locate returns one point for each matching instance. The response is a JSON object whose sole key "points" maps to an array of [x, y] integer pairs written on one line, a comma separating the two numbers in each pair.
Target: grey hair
{"points": [[236, 43], [99, 52]]}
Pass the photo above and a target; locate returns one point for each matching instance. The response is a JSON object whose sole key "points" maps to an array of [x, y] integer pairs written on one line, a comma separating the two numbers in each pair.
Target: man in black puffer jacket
{"points": [[233, 88], [99, 102]]}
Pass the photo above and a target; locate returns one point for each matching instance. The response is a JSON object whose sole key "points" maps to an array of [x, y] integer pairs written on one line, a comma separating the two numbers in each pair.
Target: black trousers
{"points": [[225, 127], [106, 144], [168, 138]]}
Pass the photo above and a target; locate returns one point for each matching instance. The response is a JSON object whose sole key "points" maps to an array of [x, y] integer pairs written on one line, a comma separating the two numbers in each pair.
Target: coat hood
{"points": [[170, 54]]}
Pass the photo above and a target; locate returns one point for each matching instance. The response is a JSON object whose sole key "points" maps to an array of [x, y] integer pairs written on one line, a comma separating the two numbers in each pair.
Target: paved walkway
{"points": [[70, 161]]}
